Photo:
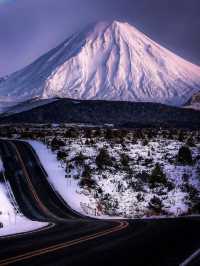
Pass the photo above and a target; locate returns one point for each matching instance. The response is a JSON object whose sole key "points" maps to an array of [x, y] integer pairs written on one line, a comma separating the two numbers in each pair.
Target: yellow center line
{"points": [[31, 185], [121, 225], [28, 255]]}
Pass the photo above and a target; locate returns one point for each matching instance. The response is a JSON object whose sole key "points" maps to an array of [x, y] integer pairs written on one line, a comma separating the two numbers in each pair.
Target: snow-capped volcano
{"points": [[108, 61]]}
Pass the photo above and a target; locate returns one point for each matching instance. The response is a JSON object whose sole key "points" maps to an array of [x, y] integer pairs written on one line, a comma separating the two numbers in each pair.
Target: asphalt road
{"points": [[71, 239]]}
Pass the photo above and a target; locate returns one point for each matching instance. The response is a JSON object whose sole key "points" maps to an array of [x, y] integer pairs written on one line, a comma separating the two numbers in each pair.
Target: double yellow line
{"points": [[32, 189], [121, 225], [28, 255]]}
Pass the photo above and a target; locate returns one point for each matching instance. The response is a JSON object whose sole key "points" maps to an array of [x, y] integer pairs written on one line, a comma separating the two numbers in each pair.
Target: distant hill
{"points": [[128, 114]]}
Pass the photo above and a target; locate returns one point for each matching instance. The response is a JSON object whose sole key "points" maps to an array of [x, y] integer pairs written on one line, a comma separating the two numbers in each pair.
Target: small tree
{"points": [[124, 159], [190, 142], [86, 179], [87, 172], [156, 204], [79, 159], [61, 155], [157, 176], [184, 155], [181, 136], [72, 133], [103, 159], [57, 143]]}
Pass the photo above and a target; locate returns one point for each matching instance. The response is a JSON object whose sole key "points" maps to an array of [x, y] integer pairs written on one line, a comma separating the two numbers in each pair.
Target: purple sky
{"points": [[28, 28]]}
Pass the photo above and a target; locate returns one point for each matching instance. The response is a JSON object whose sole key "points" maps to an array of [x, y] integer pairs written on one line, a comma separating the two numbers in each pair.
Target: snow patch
{"points": [[13, 222]]}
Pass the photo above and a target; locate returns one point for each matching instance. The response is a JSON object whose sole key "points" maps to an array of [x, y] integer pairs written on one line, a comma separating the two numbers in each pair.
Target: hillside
{"points": [[104, 112]]}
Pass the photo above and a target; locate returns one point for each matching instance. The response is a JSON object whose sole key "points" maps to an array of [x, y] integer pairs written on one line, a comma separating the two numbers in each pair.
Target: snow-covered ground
{"points": [[120, 190], [69, 189], [13, 222]]}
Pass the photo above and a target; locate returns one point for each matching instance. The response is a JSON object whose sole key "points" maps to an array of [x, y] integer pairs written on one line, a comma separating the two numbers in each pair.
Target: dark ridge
{"points": [[125, 114]]}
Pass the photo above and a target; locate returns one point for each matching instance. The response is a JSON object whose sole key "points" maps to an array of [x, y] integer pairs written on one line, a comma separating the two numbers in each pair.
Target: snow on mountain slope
{"points": [[194, 102], [110, 61]]}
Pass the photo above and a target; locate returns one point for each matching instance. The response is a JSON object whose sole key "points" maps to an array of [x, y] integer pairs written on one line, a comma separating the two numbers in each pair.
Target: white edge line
{"points": [[189, 259], [44, 228]]}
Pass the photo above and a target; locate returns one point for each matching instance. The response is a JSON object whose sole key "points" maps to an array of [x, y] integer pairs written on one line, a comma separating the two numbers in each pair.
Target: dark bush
{"points": [[124, 159], [143, 176], [157, 176], [87, 172], [103, 159], [72, 133], [79, 159], [184, 156], [145, 142], [61, 155], [156, 204], [57, 143], [190, 142], [86, 179], [90, 183], [196, 207], [140, 197], [181, 137]]}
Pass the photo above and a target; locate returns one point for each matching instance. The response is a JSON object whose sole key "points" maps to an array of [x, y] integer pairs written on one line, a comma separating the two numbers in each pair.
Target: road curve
{"points": [[74, 239]]}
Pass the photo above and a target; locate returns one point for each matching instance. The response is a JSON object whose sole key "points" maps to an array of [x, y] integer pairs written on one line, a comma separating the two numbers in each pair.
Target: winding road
{"points": [[73, 239]]}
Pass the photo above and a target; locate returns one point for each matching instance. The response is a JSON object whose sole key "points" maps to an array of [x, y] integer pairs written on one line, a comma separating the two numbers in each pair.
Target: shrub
{"points": [[86, 179], [87, 172], [143, 176], [157, 176], [103, 159], [89, 183], [190, 142], [137, 185], [181, 136], [57, 143], [184, 155], [109, 204], [140, 197], [79, 159], [124, 159], [193, 193], [156, 204], [148, 161], [72, 133], [170, 186], [109, 134], [97, 133], [61, 155], [88, 133], [196, 207], [145, 142]]}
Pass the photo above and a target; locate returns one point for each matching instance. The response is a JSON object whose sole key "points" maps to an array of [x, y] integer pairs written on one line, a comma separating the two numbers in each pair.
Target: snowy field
{"points": [[68, 188], [124, 185], [12, 221]]}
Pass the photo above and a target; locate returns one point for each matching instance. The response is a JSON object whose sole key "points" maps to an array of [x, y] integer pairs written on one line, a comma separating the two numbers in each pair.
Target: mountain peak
{"points": [[109, 27], [106, 61]]}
